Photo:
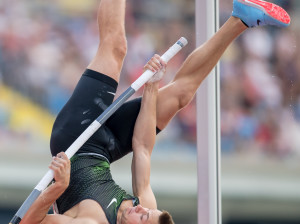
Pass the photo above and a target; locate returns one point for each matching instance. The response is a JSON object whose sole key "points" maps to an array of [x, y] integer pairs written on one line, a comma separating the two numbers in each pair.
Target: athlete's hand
{"points": [[156, 64], [60, 165]]}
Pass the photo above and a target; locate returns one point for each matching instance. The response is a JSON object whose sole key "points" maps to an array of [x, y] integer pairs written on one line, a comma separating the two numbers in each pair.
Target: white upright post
{"points": [[208, 127]]}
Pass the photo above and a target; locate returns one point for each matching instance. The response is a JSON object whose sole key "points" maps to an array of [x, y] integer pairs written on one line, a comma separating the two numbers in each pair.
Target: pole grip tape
{"points": [[25, 206]]}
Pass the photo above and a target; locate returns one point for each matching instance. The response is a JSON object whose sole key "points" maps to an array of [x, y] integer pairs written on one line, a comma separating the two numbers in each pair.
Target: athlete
{"points": [[92, 196]]}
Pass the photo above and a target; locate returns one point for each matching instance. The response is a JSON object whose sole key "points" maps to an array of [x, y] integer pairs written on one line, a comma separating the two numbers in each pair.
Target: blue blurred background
{"points": [[46, 45]]}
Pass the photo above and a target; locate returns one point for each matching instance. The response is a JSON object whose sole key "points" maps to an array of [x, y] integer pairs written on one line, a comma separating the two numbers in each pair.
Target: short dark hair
{"points": [[165, 218]]}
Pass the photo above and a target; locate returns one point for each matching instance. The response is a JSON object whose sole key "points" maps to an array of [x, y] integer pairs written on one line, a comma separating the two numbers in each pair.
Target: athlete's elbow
{"points": [[142, 147]]}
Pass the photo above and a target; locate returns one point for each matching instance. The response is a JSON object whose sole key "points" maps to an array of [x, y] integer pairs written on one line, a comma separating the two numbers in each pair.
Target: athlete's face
{"points": [[140, 215]]}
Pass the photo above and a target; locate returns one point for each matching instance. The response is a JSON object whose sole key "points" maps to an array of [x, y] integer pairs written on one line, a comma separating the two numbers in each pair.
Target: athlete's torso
{"points": [[91, 180], [87, 212]]}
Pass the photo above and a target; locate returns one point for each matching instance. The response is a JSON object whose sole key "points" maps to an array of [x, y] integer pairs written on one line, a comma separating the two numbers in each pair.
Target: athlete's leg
{"points": [[198, 65], [94, 93], [194, 70], [113, 45]]}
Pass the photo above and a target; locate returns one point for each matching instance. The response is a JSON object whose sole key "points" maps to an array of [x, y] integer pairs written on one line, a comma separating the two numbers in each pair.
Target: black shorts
{"points": [[92, 95]]}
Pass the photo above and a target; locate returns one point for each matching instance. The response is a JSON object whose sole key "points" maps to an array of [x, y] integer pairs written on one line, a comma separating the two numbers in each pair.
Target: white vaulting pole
{"points": [[208, 126]]}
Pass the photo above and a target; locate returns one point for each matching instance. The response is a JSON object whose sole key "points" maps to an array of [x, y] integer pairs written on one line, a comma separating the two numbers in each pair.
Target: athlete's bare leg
{"points": [[113, 45], [194, 70], [198, 65]]}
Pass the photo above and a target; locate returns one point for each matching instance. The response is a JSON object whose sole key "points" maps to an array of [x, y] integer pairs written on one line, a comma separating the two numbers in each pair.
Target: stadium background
{"points": [[46, 45]]}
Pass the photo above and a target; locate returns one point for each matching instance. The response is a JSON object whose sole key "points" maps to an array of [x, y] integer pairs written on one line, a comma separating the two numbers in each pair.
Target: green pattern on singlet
{"points": [[91, 179]]}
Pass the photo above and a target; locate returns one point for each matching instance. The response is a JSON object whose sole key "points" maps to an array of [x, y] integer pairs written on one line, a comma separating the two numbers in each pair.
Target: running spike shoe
{"points": [[259, 13]]}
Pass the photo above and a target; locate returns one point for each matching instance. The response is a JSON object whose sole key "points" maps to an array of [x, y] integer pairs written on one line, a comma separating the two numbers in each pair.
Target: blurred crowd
{"points": [[46, 46], [260, 89]]}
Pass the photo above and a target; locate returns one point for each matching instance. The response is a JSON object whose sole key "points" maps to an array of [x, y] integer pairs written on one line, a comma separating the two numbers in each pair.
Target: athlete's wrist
{"points": [[151, 86], [59, 187]]}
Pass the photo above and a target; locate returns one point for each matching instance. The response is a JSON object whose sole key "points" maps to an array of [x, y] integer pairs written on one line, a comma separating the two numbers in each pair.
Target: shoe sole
{"points": [[269, 9]]}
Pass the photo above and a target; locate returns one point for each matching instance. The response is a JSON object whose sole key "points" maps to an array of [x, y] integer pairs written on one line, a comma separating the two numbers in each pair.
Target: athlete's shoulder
{"points": [[56, 219]]}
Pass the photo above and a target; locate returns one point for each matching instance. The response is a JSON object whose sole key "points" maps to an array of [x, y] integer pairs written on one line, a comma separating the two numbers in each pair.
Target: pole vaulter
{"points": [[93, 127]]}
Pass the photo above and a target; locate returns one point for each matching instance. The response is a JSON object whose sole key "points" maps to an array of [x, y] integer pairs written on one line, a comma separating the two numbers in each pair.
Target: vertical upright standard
{"points": [[208, 126]]}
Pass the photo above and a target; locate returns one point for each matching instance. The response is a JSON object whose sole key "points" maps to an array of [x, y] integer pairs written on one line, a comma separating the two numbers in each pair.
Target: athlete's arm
{"points": [[144, 139], [39, 209]]}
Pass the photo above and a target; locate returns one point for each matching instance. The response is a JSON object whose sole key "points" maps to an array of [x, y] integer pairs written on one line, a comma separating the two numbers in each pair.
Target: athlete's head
{"points": [[141, 215]]}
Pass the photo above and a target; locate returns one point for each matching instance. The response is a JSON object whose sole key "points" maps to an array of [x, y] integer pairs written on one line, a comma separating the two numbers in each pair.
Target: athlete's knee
{"points": [[184, 94], [185, 99], [120, 46], [117, 42]]}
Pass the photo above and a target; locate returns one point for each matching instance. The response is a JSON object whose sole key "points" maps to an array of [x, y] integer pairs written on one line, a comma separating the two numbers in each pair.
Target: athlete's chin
{"points": [[126, 212], [123, 217]]}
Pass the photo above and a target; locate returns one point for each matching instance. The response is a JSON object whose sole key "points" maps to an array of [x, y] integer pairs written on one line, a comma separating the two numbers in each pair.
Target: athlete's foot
{"points": [[259, 13]]}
